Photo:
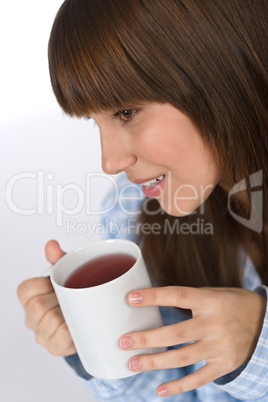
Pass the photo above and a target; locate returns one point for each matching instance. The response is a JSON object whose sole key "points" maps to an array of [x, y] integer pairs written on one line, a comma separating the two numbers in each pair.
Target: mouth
{"points": [[152, 187], [153, 182], [148, 182]]}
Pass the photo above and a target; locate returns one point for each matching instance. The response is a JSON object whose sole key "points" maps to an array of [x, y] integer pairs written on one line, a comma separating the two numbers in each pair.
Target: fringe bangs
{"points": [[91, 68]]}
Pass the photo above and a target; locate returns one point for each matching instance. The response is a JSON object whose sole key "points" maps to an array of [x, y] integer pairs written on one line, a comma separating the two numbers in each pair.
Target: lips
{"points": [[152, 188]]}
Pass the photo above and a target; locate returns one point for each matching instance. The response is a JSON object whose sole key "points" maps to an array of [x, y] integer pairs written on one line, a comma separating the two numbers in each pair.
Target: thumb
{"points": [[53, 251]]}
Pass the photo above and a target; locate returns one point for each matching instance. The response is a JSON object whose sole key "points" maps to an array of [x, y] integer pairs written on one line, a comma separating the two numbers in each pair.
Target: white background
{"points": [[36, 139]]}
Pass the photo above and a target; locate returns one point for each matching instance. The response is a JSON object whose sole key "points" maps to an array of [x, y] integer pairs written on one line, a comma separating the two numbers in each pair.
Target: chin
{"points": [[184, 209]]}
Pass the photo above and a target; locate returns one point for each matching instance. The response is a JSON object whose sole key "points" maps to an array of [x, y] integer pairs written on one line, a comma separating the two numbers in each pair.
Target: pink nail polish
{"points": [[162, 392], [135, 364], [135, 298], [126, 342]]}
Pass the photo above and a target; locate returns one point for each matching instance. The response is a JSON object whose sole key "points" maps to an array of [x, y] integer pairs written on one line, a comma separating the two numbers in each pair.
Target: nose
{"points": [[117, 155]]}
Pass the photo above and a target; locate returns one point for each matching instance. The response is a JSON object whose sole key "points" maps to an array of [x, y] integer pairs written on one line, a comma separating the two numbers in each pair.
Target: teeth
{"points": [[153, 182]]}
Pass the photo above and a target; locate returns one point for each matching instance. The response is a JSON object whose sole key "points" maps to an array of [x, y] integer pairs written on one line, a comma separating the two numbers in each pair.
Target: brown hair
{"points": [[208, 59]]}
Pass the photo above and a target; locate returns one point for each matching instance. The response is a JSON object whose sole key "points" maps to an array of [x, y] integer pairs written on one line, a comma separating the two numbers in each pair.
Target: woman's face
{"points": [[159, 147]]}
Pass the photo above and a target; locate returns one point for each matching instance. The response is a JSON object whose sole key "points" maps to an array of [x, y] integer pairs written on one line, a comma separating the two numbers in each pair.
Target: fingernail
{"points": [[162, 392], [126, 342], [135, 298], [135, 364]]}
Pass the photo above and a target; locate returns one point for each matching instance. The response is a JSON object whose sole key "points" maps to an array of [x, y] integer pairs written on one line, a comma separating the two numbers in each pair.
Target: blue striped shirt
{"points": [[248, 383]]}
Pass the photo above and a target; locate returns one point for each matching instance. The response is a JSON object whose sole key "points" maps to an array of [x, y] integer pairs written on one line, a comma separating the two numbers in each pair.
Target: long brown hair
{"points": [[208, 59]]}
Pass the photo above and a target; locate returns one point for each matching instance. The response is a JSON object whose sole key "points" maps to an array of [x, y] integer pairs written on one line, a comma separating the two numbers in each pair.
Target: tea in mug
{"points": [[100, 270]]}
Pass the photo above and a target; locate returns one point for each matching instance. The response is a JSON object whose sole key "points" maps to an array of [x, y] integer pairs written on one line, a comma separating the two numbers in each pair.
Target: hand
{"points": [[224, 328], [42, 312]]}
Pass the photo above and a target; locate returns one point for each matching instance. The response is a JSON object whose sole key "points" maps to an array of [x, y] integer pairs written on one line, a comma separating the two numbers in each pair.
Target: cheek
{"points": [[184, 200], [149, 148], [186, 190]]}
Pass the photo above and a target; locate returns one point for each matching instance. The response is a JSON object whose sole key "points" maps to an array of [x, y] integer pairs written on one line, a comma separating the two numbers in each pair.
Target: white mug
{"points": [[98, 316]]}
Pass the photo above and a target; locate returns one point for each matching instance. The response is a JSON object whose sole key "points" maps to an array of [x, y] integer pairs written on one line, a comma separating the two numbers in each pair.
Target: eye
{"points": [[125, 115]]}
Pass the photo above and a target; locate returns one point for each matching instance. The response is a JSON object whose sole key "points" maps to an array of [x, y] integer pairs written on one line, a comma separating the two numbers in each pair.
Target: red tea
{"points": [[100, 270]]}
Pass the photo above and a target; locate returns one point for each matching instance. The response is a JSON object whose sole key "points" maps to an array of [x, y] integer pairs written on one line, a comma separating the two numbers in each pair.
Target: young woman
{"points": [[179, 92]]}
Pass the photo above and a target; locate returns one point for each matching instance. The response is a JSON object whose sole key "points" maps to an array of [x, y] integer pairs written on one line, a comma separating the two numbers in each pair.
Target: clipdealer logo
{"points": [[50, 198], [255, 222]]}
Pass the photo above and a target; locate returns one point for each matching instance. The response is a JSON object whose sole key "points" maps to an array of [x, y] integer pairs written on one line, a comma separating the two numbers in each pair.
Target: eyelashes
{"points": [[125, 116]]}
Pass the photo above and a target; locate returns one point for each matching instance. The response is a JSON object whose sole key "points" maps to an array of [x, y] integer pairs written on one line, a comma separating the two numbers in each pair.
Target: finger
{"points": [[49, 324], [61, 343], [181, 357], [53, 251], [52, 333], [170, 335], [33, 287], [37, 307], [200, 377], [179, 296]]}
